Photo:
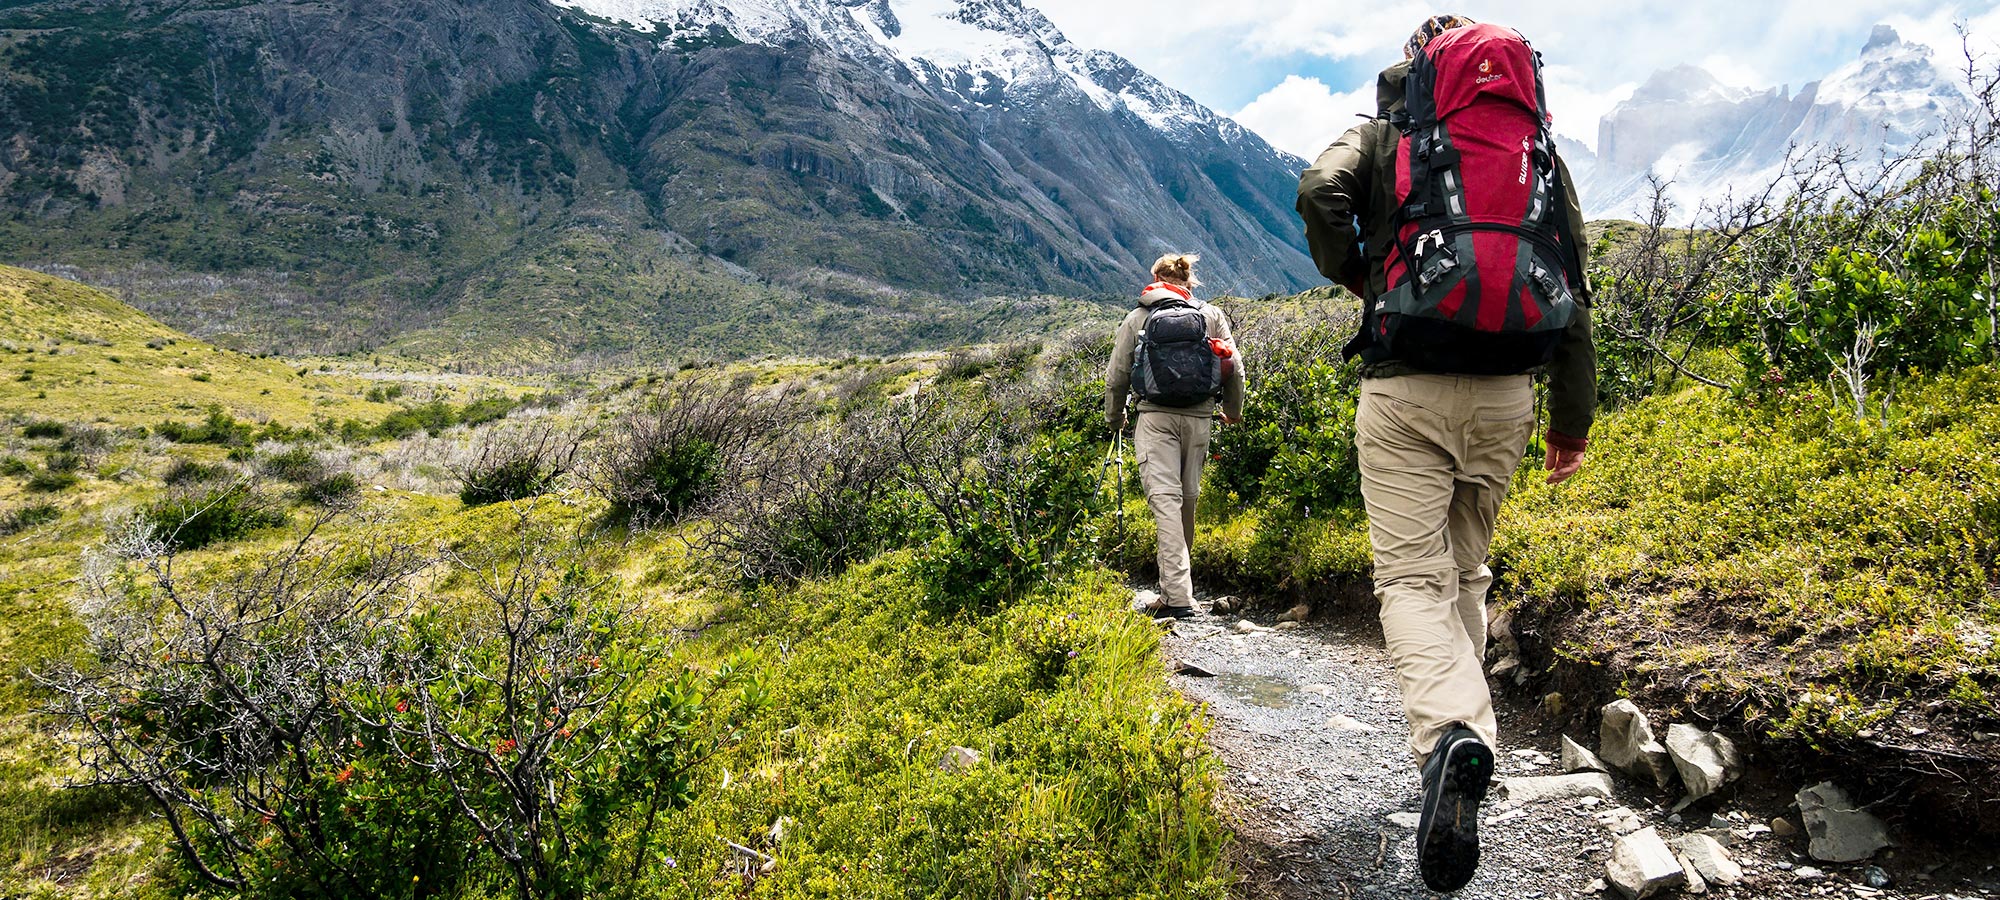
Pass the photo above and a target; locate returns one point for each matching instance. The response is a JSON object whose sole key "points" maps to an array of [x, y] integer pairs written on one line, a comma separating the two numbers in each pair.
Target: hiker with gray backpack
{"points": [[1176, 356], [1451, 216]]}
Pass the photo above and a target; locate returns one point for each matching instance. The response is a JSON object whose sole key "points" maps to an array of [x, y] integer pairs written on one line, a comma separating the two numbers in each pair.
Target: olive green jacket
{"points": [[1355, 180]]}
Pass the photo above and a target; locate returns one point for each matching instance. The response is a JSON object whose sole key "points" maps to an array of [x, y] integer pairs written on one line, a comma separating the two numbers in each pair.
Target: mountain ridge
{"points": [[1685, 125], [354, 172]]}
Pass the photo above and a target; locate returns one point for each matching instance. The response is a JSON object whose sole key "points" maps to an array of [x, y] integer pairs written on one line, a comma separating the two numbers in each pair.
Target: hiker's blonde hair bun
{"points": [[1177, 268]]}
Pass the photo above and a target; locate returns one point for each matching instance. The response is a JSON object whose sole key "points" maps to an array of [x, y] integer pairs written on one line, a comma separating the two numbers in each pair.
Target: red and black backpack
{"points": [[1483, 274]]}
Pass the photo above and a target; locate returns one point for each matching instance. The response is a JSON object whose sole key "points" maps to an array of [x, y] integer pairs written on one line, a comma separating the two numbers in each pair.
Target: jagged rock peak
{"points": [[1883, 36]]}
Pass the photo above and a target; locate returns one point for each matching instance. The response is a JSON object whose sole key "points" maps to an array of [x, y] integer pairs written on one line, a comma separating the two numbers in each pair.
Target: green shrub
{"points": [[41, 430], [698, 439], [515, 466], [319, 737], [26, 517], [219, 428], [16, 467], [205, 515], [49, 481], [298, 465], [330, 491], [183, 472]]}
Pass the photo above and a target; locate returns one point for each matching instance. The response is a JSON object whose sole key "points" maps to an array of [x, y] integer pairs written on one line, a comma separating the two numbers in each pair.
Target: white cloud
{"points": [[1303, 115], [1597, 52], [1578, 105]]}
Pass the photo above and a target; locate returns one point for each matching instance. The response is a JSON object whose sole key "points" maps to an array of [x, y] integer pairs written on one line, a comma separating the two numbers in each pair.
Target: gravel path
{"points": [[1322, 790]]}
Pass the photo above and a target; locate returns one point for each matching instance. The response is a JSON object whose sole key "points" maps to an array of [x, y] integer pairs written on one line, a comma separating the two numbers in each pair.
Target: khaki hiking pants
{"points": [[1173, 448], [1437, 452]]}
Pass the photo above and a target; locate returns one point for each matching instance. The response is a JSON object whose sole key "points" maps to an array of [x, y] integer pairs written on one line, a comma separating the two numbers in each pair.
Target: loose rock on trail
{"points": [[1322, 790]]}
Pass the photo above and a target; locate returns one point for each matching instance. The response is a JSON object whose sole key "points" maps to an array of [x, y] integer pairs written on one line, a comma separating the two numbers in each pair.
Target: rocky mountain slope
{"points": [[1707, 136], [512, 180]]}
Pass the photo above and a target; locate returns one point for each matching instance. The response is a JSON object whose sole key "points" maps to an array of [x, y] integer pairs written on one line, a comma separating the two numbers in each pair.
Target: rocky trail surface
{"points": [[1323, 794]]}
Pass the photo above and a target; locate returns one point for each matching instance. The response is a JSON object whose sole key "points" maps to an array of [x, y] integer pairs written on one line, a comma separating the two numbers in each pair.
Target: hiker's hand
{"points": [[1228, 419], [1562, 464]]}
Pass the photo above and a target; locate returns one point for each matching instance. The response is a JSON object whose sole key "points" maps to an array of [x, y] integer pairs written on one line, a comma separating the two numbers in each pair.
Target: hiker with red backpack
{"points": [[1451, 216], [1175, 354]]}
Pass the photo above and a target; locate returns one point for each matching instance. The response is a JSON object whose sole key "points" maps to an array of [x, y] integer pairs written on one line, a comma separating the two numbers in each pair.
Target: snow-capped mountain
{"points": [[978, 52], [1709, 138], [590, 176], [1081, 123]]}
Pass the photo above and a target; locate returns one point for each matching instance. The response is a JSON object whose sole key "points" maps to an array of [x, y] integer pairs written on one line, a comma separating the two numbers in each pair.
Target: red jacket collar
{"points": [[1164, 286]]}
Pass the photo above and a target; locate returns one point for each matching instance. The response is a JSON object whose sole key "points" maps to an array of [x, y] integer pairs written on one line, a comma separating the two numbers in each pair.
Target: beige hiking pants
{"points": [[1437, 453], [1172, 451]]}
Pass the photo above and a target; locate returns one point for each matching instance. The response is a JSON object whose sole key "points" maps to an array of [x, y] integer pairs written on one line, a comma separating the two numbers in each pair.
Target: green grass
{"points": [[1094, 779], [1822, 575], [95, 359]]}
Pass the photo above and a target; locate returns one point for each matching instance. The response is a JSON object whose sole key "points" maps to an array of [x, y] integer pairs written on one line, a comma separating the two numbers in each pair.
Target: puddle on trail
{"points": [[1261, 690]]}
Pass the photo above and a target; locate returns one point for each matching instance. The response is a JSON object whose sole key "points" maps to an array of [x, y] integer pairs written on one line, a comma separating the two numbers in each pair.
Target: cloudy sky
{"points": [[1298, 71]]}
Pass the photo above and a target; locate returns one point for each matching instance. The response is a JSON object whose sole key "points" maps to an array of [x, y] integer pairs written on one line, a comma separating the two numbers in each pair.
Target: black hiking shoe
{"points": [[1176, 612], [1455, 782]]}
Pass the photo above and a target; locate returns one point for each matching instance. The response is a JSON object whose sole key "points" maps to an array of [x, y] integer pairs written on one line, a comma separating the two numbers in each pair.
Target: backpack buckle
{"points": [[1434, 269]]}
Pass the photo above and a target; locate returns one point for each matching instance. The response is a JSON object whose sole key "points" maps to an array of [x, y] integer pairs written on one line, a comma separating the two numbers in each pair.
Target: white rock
{"points": [[1298, 613], [1350, 725], [1406, 819], [1145, 601], [1695, 883], [1840, 831], [1626, 741], [1709, 859], [1558, 787], [1706, 760], [1248, 627], [1577, 758], [1619, 820], [959, 759], [1508, 816], [1642, 865]]}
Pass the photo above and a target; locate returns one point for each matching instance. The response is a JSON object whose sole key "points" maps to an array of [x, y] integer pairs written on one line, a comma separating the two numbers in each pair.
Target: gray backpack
{"points": [[1174, 365]]}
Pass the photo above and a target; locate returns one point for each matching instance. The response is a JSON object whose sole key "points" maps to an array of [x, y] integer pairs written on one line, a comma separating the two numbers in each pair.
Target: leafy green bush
{"points": [[316, 737], [183, 472], [1295, 449], [219, 428], [699, 439], [1006, 517], [331, 490], [515, 466], [15, 521], [16, 467], [193, 518], [43, 430], [52, 480], [298, 465]]}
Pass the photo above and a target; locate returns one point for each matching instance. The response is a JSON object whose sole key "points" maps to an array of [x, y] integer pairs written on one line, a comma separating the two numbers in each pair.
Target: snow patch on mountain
{"points": [[977, 52], [1713, 139]]}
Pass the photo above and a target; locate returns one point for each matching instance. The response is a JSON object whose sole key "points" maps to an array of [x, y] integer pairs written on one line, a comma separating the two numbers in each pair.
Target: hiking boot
{"points": [[1455, 782], [1175, 612]]}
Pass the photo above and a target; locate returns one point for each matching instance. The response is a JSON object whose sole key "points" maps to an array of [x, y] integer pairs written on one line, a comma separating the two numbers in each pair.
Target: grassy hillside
{"points": [[864, 732], [74, 354]]}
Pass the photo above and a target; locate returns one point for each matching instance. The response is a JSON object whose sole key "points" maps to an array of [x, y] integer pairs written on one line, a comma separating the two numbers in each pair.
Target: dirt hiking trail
{"points": [[1323, 793]]}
